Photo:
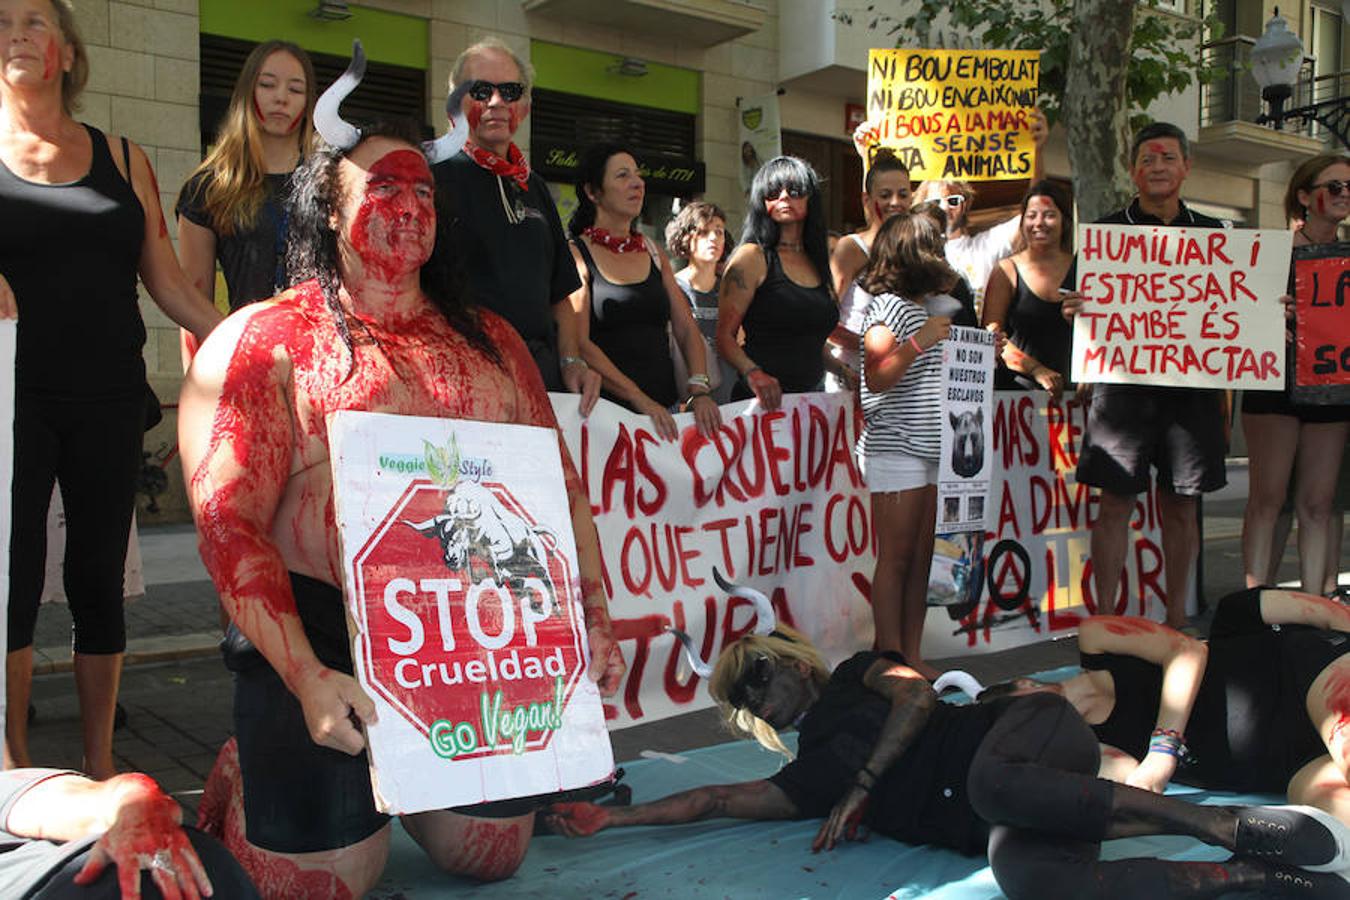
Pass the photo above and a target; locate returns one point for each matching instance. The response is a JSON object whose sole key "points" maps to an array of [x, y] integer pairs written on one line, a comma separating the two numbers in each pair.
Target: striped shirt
{"points": [[908, 417]]}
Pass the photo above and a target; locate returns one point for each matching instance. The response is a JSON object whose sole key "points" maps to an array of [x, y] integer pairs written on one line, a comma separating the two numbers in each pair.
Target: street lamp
{"points": [[1277, 57]]}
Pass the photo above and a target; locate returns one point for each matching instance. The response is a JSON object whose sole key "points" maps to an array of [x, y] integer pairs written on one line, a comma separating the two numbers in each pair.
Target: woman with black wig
{"points": [[776, 287]]}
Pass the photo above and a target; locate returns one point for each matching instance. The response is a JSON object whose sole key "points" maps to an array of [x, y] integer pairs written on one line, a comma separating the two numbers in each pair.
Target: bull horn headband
{"points": [[339, 133], [765, 621]]}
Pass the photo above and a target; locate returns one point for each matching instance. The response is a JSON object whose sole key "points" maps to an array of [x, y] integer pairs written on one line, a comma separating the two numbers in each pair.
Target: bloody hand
{"points": [[577, 819], [147, 834]]}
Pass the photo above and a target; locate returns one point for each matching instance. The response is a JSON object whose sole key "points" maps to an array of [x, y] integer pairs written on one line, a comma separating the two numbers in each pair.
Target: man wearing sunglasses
{"points": [[506, 231], [1180, 432]]}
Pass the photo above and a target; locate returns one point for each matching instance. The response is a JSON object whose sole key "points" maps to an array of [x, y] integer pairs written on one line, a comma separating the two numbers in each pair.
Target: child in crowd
{"points": [[902, 408]]}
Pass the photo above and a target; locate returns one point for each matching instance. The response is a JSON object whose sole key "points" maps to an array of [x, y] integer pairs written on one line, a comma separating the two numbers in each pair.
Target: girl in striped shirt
{"points": [[902, 408]]}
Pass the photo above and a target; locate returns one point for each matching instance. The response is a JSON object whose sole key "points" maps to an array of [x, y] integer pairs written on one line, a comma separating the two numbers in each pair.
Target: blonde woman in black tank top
{"points": [[628, 293], [82, 220]]}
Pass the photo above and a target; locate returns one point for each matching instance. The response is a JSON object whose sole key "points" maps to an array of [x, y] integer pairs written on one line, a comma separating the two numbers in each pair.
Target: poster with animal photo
{"points": [[964, 467], [464, 610]]}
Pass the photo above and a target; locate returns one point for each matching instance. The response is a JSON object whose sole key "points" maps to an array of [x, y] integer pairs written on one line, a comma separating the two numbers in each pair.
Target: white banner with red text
{"points": [[775, 501], [464, 608]]}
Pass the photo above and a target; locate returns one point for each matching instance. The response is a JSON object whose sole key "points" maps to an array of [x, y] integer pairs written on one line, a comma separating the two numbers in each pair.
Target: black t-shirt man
{"points": [[511, 244], [921, 798]]}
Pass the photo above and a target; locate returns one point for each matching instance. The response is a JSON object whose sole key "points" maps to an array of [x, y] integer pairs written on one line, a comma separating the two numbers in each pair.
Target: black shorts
{"points": [[300, 797], [1178, 431], [1277, 403]]}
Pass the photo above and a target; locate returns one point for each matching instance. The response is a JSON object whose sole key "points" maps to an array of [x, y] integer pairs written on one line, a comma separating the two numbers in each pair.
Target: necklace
{"points": [[632, 243], [790, 245]]}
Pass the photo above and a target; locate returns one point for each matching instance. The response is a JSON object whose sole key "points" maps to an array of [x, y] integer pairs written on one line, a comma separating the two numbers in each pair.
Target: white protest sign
{"points": [[8, 335], [965, 464], [773, 500], [464, 606], [1181, 307]]}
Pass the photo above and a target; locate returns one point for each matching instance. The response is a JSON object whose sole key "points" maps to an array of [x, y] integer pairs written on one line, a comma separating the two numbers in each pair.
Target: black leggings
{"points": [[94, 448], [1034, 780]]}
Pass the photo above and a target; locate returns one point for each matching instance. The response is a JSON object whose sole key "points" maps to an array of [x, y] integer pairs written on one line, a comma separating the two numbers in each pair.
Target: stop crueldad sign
{"points": [[464, 610]]}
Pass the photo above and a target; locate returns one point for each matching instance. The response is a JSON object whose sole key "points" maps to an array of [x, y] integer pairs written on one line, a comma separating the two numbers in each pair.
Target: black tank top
{"points": [[629, 322], [1036, 326], [71, 254], [785, 330]]}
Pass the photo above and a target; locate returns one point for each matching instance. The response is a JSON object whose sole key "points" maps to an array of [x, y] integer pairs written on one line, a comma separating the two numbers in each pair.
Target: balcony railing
{"points": [[1235, 97]]}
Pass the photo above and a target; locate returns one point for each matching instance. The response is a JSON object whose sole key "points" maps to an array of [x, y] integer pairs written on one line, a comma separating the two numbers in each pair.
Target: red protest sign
{"points": [[1322, 324]]}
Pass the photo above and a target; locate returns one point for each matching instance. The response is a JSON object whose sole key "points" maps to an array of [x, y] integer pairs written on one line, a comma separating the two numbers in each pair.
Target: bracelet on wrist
{"points": [[574, 361], [915, 344], [698, 381], [754, 367]]}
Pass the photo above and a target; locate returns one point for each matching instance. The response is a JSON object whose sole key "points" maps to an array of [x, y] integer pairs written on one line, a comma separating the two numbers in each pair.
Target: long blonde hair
{"points": [[234, 166], [783, 644]]}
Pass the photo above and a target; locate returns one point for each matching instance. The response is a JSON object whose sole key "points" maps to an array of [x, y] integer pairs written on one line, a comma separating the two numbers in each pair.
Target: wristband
{"points": [[698, 381], [754, 367], [574, 361], [915, 344]]}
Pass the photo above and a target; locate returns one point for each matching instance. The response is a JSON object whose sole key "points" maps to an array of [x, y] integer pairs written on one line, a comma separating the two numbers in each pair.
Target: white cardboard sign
{"points": [[965, 466], [464, 608]]}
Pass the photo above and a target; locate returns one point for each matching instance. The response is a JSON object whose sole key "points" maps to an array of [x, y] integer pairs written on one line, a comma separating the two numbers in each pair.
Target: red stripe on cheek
{"points": [[51, 60]]}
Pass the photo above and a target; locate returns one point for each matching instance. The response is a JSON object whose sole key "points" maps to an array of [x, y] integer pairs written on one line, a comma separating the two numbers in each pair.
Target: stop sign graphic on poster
{"points": [[463, 602]]}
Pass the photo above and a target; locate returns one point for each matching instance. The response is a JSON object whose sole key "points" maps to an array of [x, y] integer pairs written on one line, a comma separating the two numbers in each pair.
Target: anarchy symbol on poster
{"points": [[463, 602]]}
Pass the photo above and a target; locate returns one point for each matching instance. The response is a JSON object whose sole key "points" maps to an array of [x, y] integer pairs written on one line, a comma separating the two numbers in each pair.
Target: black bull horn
{"points": [[765, 621]]}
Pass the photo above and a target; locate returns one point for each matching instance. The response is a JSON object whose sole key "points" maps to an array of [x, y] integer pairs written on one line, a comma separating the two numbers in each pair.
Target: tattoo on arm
{"points": [[734, 277]]}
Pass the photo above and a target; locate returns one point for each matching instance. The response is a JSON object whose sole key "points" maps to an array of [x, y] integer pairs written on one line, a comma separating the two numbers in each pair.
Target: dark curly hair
{"points": [[692, 219], [907, 258], [312, 252]]}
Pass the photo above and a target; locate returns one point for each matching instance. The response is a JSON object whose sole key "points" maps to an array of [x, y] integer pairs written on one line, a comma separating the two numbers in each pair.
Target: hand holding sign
{"points": [[329, 698]]}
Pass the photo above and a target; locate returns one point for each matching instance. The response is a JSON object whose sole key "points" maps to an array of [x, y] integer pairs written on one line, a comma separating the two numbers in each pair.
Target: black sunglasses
{"points": [[794, 190], [756, 678], [1334, 187], [511, 91]]}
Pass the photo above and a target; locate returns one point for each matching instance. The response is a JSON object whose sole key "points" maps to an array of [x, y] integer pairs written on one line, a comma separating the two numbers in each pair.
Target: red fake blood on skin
{"points": [[51, 61], [1128, 627], [157, 211], [1322, 204], [395, 225], [257, 109], [491, 850], [295, 123], [586, 818], [475, 113], [1157, 147], [1337, 694]]}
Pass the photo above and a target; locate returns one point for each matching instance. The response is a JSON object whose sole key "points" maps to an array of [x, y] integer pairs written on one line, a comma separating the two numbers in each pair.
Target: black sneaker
{"points": [[1294, 835], [1290, 881]]}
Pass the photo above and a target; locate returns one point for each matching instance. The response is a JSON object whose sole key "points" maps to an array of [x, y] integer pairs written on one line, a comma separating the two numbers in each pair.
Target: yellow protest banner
{"points": [[956, 114]]}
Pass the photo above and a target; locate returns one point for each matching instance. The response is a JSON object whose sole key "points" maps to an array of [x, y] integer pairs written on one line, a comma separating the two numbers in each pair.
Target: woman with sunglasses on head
{"points": [[628, 297], [886, 193], [776, 287], [1286, 440], [1015, 778], [1022, 299], [232, 208], [81, 221]]}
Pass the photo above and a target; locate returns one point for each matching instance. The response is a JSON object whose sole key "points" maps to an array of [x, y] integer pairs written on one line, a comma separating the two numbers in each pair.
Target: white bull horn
{"points": [[962, 681], [335, 130], [766, 620], [450, 143], [700, 667], [425, 526]]}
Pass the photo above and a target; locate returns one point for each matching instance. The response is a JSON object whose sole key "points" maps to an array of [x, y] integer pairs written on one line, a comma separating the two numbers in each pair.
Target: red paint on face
{"points": [[257, 109], [295, 123], [51, 60], [395, 225], [1321, 203], [1157, 147], [586, 818]]}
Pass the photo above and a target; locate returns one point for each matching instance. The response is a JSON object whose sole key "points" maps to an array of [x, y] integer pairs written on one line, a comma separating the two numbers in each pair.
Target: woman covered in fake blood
{"points": [[373, 327], [1015, 778], [1297, 443], [1264, 706], [81, 220], [629, 298], [232, 209]]}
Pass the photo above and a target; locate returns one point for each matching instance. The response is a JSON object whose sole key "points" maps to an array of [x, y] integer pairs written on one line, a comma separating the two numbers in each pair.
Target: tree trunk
{"points": [[1096, 109]]}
